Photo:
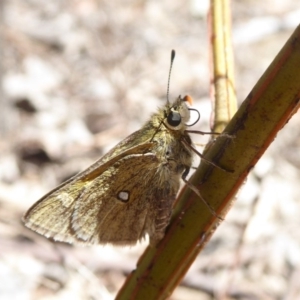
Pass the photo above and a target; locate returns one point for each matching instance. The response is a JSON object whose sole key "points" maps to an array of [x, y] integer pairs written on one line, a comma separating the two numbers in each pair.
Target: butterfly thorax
{"points": [[170, 139]]}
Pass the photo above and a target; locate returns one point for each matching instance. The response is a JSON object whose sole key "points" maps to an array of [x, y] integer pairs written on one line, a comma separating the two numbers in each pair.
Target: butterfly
{"points": [[129, 192]]}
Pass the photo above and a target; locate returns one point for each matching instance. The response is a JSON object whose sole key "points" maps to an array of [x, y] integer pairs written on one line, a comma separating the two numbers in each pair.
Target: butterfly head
{"points": [[178, 114]]}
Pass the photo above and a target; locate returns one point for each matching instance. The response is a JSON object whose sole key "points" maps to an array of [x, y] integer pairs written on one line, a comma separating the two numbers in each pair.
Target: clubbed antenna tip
{"points": [[172, 56]]}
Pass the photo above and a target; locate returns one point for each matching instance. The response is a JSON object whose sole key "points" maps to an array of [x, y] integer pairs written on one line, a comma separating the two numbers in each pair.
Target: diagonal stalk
{"points": [[268, 107]]}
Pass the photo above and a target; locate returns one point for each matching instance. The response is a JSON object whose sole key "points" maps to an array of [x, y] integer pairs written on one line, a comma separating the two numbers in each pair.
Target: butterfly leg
{"points": [[197, 192]]}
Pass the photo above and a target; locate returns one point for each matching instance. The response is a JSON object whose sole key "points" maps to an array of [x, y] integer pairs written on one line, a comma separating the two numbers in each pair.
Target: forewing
{"points": [[116, 208], [52, 215]]}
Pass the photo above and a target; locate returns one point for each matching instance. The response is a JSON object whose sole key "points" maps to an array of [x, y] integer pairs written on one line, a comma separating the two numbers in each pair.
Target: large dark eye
{"points": [[174, 118]]}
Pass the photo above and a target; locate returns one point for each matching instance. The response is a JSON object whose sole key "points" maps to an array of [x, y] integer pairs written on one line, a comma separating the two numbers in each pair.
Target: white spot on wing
{"points": [[123, 196]]}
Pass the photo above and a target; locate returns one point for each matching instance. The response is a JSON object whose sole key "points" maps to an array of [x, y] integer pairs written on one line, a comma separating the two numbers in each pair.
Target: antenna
{"points": [[171, 65]]}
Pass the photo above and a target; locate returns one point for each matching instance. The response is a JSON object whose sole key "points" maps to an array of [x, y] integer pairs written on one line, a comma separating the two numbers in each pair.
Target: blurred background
{"points": [[79, 76]]}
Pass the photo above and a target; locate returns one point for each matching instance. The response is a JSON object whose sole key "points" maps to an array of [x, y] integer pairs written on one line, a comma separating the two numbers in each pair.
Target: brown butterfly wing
{"points": [[128, 209], [107, 217], [90, 207]]}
